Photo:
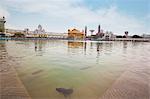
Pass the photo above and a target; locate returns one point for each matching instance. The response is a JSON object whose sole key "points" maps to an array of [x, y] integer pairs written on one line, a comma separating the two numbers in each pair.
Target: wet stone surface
{"points": [[10, 85]]}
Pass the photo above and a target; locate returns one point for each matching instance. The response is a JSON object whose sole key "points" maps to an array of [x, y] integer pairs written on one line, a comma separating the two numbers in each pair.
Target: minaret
{"points": [[99, 29], [85, 31]]}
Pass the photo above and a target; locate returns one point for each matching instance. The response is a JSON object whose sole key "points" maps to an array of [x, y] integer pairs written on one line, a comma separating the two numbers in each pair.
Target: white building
{"points": [[57, 35], [39, 30], [107, 36], [146, 35]]}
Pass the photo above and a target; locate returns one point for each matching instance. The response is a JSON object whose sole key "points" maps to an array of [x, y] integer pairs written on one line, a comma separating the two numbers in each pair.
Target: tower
{"points": [[126, 33], [99, 29], [92, 32], [2, 24]]}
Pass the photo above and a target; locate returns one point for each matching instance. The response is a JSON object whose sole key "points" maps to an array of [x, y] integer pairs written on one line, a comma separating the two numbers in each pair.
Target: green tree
{"points": [[19, 34]]}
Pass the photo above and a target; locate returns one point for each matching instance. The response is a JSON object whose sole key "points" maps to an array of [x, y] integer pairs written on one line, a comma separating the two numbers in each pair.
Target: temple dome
{"points": [[39, 27]]}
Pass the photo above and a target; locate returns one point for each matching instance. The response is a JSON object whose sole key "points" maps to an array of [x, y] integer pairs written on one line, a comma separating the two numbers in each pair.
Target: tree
{"points": [[136, 36], [119, 36]]}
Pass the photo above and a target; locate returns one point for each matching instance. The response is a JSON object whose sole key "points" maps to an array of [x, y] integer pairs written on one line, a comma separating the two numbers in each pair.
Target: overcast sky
{"points": [[60, 15]]}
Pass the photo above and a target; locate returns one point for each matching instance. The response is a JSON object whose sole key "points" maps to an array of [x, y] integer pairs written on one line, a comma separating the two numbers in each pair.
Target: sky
{"points": [[60, 15]]}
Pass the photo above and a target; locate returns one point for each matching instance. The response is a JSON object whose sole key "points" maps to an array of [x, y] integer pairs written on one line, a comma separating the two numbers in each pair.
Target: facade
{"points": [[39, 32], [26, 31], [31, 34], [75, 34], [57, 35], [2, 25], [108, 35], [101, 35], [146, 36], [13, 31]]}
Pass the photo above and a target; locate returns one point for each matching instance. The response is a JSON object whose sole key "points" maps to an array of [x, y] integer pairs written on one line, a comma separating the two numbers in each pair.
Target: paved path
{"points": [[133, 84], [10, 85]]}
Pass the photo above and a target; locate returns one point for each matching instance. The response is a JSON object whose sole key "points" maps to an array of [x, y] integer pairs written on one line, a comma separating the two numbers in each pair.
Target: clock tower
{"points": [[2, 25]]}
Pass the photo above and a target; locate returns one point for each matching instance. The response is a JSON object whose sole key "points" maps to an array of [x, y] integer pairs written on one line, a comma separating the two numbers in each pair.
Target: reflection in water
{"points": [[99, 48], [85, 45], [35, 46], [3, 58], [75, 44], [89, 68], [108, 46], [136, 44], [125, 44], [72, 45], [3, 51], [91, 47], [39, 45]]}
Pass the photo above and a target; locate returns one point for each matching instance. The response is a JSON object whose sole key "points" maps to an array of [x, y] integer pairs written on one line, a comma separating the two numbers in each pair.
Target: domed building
{"points": [[40, 32], [75, 34]]}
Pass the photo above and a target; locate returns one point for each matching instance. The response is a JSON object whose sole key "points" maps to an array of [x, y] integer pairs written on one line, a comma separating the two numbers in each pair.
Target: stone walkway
{"points": [[10, 85], [133, 84]]}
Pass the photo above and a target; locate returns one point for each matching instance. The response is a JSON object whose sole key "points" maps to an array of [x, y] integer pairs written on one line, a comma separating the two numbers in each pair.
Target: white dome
{"points": [[39, 27]]}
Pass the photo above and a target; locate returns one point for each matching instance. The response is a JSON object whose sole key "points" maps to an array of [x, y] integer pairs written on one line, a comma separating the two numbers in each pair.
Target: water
{"points": [[89, 68]]}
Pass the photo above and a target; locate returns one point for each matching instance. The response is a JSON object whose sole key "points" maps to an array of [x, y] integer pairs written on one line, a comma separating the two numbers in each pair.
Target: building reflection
{"points": [[75, 44], [39, 46], [3, 52], [108, 46], [125, 44], [99, 47], [85, 47], [91, 45], [35, 46], [135, 44]]}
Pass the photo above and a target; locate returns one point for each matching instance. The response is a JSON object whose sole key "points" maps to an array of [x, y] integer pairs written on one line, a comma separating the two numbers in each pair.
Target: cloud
{"points": [[4, 12], [74, 13], [147, 19]]}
